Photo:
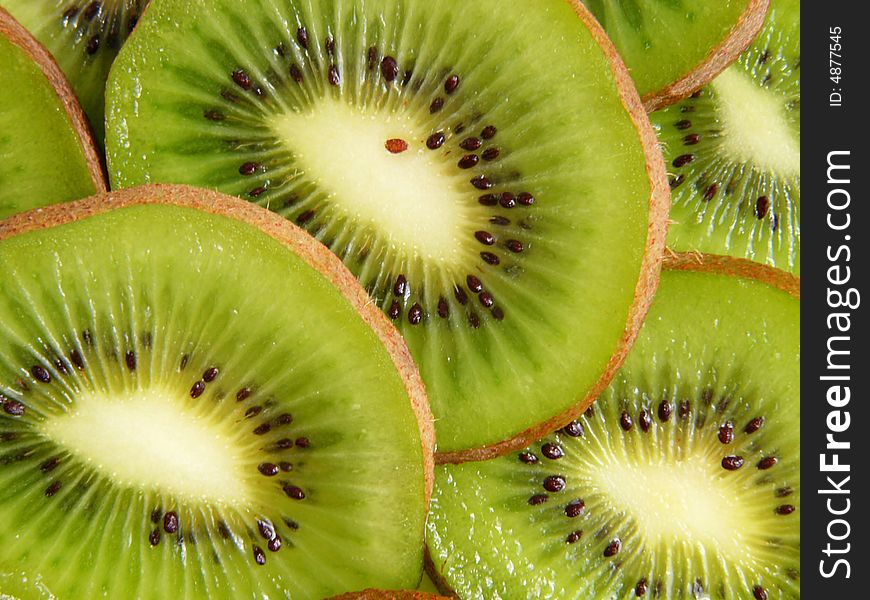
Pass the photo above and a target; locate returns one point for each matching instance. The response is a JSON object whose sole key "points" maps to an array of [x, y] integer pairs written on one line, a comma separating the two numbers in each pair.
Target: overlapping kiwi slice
{"points": [[47, 154], [673, 47], [733, 152], [485, 171], [682, 481], [84, 36], [197, 400]]}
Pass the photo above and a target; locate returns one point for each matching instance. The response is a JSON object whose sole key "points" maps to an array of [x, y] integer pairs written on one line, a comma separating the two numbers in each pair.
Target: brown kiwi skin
{"points": [[683, 261], [716, 61], [372, 594], [315, 254], [18, 35], [659, 206]]}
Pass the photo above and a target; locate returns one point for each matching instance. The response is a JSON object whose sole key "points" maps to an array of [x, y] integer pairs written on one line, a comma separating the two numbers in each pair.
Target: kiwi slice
{"points": [[203, 404], [733, 152], [682, 481], [673, 47], [372, 594], [493, 187], [47, 154], [84, 36]]}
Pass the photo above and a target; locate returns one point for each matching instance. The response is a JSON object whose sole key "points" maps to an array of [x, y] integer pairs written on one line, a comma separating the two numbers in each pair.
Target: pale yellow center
{"points": [[684, 500], [755, 126], [410, 197], [145, 440]]}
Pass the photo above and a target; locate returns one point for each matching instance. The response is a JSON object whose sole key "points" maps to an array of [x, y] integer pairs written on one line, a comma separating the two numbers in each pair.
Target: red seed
{"points": [[396, 145]]}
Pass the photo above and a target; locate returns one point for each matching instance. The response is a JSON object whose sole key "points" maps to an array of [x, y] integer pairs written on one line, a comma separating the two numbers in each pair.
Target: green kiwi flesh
{"points": [[674, 46], [169, 430], [733, 153], [84, 36], [682, 481], [46, 152], [483, 172]]}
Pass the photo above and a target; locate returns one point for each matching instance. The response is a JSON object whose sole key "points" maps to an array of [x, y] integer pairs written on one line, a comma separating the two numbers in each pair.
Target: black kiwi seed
{"points": [[574, 536], [40, 373], [554, 483], [294, 492], [526, 199], [154, 537], [490, 154], [460, 295], [214, 115], [625, 421], [284, 419], [77, 360], [268, 469], [761, 206], [253, 412], [664, 411], [489, 199], [329, 45], [499, 220], [93, 44], [497, 313], [305, 217], [92, 10], [692, 139], [574, 429], [451, 84], [640, 588], [249, 168], [53, 489], [552, 451], [68, 14], [170, 522], [302, 37], [389, 68], [710, 192], [284, 444], [401, 286], [210, 374], [333, 75], [759, 593], [296, 73], [675, 182], [49, 465], [528, 458], [303, 442], [437, 104], [783, 492], [372, 57], [490, 258], [538, 499], [471, 144], [394, 310], [644, 420], [754, 425], [484, 237], [242, 79], [156, 515], [613, 548], [683, 159], [575, 508], [683, 124], [767, 462], [468, 161], [488, 132], [267, 530], [726, 433], [415, 314], [785, 509], [259, 555], [473, 320], [435, 141], [732, 463], [243, 394], [262, 429], [507, 200], [685, 409], [474, 284], [12, 407], [197, 389], [481, 182], [486, 299], [443, 308], [274, 544]]}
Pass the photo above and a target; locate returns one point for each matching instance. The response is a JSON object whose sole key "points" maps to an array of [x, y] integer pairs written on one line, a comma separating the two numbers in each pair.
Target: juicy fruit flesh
{"points": [[344, 152], [84, 37], [144, 441], [733, 151], [41, 157], [682, 481], [289, 418], [754, 127], [663, 40], [481, 239]]}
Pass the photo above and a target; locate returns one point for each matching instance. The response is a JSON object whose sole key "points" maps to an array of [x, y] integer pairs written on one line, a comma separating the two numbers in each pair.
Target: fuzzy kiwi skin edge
{"points": [[659, 206], [716, 61], [315, 254], [687, 261], [18, 35]]}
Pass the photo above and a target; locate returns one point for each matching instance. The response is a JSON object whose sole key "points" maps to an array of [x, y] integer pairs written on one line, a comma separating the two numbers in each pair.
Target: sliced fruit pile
{"points": [[349, 240]]}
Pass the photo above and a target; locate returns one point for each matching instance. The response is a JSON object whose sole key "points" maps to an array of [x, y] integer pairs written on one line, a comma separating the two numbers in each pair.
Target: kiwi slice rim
{"points": [[651, 264], [312, 252], [373, 594], [16, 33], [729, 266], [716, 61]]}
